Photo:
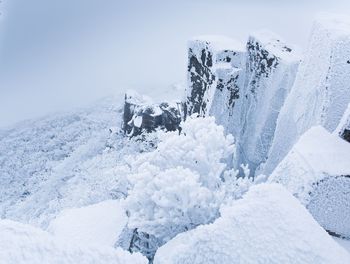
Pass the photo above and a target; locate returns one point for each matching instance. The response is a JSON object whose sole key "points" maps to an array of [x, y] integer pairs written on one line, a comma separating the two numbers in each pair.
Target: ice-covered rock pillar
{"points": [[212, 66], [321, 91], [271, 67]]}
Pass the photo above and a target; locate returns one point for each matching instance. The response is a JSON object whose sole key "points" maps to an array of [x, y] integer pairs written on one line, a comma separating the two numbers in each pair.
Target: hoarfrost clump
{"points": [[178, 186], [234, 186]]}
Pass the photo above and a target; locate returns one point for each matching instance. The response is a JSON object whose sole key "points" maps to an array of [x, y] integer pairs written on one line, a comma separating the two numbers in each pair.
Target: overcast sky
{"points": [[55, 55]]}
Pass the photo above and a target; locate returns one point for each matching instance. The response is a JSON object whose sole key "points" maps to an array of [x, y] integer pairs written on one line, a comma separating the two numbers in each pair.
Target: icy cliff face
{"points": [[270, 71], [212, 64], [321, 91], [242, 87], [317, 172]]}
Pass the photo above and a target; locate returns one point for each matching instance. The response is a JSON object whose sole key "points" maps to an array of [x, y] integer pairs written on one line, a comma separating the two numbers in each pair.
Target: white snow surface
{"points": [[96, 225], [321, 91], [267, 226], [316, 171], [24, 244], [63, 161], [316, 155]]}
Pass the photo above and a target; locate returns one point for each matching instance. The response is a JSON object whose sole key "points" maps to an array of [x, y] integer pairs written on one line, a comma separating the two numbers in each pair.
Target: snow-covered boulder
{"points": [[267, 226], [321, 92], [212, 66], [142, 115], [270, 72], [317, 172], [242, 87], [94, 225], [24, 244], [343, 129]]}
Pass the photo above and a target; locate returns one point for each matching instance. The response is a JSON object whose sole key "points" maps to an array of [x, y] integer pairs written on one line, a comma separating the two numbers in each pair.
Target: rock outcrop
{"points": [[242, 87], [321, 92], [269, 75], [213, 65], [343, 129], [142, 116], [317, 172]]}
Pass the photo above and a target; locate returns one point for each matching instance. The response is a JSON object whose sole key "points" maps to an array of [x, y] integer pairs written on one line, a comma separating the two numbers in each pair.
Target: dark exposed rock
{"points": [[134, 240], [141, 117], [343, 129]]}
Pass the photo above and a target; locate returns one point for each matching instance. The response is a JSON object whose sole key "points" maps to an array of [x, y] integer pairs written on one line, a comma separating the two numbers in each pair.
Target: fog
{"points": [[56, 55]]}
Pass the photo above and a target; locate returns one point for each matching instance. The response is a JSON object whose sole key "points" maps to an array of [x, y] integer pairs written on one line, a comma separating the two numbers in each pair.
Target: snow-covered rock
{"points": [[267, 226], [142, 115], [317, 172], [97, 225], [212, 65], [343, 129], [270, 73], [321, 92], [24, 244], [242, 87]]}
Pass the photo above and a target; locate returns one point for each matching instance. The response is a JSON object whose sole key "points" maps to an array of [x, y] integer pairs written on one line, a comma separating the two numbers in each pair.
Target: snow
{"points": [[24, 244], [316, 171], [274, 44], [321, 92], [62, 161], [267, 226], [98, 224], [176, 187], [343, 242]]}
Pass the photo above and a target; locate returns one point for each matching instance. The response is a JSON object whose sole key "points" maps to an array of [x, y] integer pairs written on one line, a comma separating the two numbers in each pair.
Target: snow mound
{"points": [[267, 226], [321, 91], [24, 244], [97, 224], [317, 172]]}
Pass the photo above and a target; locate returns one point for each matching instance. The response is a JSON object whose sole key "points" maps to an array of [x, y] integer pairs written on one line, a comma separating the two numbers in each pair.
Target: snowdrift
{"points": [[267, 226], [24, 244], [97, 224], [317, 172]]}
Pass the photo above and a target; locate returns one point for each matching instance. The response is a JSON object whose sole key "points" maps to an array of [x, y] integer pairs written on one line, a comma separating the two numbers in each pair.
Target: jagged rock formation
{"points": [[343, 129], [244, 88], [270, 71], [317, 172], [213, 66], [321, 91], [140, 115]]}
